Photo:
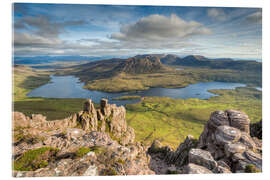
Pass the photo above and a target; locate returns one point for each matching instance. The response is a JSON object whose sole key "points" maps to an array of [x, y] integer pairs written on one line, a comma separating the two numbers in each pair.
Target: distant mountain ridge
{"points": [[219, 63], [50, 59], [141, 64]]}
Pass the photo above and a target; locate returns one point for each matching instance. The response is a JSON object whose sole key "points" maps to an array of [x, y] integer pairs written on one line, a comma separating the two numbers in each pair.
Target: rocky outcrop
{"points": [[109, 118], [90, 142], [99, 142], [105, 157], [226, 136], [225, 146]]}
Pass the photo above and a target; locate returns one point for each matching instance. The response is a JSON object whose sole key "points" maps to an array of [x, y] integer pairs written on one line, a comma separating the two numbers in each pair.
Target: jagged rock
{"points": [[20, 120], [222, 167], [258, 143], [89, 106], [196, 169], [156, 147], [233, 148], [254, 158], [248, 141], [218, 118], [227, 134], [256, 129], [224, 146], [238, 120], [104, 130], [202, 158], [180, 156], [73, 133], [91, 171], [241, 160]]}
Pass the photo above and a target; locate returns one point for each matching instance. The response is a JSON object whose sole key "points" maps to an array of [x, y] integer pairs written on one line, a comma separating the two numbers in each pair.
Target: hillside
{"points": [[96, 142], [142, 72], [223, 63], [141, 65]]}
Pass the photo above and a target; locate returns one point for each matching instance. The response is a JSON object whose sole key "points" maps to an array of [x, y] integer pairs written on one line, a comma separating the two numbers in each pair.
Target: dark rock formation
{"points": [[256, 129], [224, 146]]}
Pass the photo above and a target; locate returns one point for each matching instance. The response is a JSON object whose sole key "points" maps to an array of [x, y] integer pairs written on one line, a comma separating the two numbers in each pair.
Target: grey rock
{"points": [[239, 120], [227, 134], [233, 148], [202, 158], [196, 169]]}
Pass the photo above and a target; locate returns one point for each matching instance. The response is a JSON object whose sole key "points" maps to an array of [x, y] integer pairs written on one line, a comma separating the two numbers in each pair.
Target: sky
{"points": [[106, 30]]}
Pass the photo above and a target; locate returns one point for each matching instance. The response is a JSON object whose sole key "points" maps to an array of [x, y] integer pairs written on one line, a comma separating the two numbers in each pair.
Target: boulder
{"points": [[238, 120], [180, 156], [218, 118], [227, 134], [196, 169], [74, 133], [202, 158], [233, 148], [248, 141]]}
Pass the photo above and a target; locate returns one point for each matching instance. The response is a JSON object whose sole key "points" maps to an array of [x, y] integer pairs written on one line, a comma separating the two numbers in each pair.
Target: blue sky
{"points": [[103, 30]]}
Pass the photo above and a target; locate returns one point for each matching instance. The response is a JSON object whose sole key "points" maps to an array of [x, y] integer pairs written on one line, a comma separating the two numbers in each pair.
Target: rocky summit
{"points": [[98, 141], [225, 146]]}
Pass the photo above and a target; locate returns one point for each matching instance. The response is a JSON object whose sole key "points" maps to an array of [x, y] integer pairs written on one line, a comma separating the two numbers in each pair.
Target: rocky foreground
{"points": [[99, 142]]}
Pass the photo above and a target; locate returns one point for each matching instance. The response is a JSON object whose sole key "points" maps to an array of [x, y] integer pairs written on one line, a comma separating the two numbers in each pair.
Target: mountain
{"points": [[141, 65], [169, 59], [222, 63]]}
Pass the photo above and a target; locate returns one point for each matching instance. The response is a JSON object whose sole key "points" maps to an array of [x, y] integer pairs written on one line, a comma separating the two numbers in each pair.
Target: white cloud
{"points": [[216, 14], [160, 28], [26, 39]]}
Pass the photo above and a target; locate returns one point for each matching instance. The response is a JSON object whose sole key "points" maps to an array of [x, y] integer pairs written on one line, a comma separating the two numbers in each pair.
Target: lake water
{"points": [[71, 87]]}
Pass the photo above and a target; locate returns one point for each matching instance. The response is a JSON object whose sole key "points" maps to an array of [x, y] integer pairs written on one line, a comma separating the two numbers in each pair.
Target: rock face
{"points": [[99, 142], [226, 136], [256, 130], [225, 146], [109, 118], [91, 142], [202, 158]]}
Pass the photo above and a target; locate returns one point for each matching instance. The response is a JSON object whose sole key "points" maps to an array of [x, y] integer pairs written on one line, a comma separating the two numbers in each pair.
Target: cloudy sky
{"points": [[98, 30]]}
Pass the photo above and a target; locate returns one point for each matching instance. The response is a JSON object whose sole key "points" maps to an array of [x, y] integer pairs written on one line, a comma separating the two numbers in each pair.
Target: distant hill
{"points": [[141, 64], [50, 59], [221, 63]]}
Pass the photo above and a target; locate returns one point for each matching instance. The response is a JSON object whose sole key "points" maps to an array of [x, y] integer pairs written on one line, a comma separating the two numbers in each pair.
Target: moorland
{"points": [[166, 119]]}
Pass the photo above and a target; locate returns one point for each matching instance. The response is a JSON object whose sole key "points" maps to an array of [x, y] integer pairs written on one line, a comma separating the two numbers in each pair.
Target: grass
{"points": [[250, 168], [82, 151], [97, 149], [166, 119], [171, 120], [105, 79], [34, 159], [127, 97]]}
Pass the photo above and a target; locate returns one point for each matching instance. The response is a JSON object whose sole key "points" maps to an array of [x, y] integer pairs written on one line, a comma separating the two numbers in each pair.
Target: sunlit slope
{"points": [[171, 120]]}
